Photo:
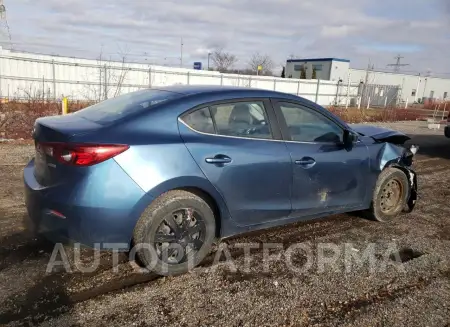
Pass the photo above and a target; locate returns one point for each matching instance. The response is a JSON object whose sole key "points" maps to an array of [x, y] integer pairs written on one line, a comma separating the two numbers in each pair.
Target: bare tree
{"points": [[110, 75], [223, 60], [262, 60], [119, 80]]}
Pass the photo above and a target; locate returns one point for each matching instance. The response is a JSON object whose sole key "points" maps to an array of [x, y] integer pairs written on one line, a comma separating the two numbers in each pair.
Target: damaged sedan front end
{"points": [[391, 151]]}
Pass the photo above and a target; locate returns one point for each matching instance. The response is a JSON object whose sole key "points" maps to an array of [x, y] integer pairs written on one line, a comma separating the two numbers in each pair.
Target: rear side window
{"points": [[240, 119], [200, 120], [116, 108]]}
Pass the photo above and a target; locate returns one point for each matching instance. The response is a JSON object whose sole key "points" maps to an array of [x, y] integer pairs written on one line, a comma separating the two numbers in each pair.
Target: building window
{"points": [[318, 67], [413, 93], [432, 95], [298, 68], [445, 95]]}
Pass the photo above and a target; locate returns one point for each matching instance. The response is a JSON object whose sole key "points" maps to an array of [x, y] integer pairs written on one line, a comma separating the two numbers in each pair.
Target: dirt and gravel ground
{"points": [[415, 292]]}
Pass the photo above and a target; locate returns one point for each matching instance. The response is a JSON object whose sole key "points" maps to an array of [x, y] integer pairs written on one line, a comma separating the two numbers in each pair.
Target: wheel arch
{"points": [[209, 199], [198, 186]]}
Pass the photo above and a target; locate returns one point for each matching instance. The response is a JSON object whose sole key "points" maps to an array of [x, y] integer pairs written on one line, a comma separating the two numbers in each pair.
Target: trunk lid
{"points": [[381, 134], [62, 128], [59, 129]]}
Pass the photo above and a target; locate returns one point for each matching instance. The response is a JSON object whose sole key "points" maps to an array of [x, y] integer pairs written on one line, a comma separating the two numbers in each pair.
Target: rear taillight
{"points": [[82, 154]]}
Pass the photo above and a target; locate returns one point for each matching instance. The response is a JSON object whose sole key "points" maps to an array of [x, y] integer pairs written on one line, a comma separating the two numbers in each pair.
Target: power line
{"points": [[397, 65]]}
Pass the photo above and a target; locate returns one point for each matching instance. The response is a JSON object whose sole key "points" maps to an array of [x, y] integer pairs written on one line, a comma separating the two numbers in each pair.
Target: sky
{"points": [[150, 31]]}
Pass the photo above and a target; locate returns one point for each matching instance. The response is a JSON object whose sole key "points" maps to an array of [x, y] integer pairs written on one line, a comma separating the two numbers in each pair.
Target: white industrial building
{"points": [[25, 74], [413, 88], [330, 69]]}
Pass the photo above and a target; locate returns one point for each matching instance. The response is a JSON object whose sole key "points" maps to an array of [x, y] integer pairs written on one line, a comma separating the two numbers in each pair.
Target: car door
{"points": [[327, 176], [239, 148]]}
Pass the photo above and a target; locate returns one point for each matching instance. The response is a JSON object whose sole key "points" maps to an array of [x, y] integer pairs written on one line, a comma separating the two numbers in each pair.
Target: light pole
{"points": [[424, 87], [209, 55], [181, 54]]}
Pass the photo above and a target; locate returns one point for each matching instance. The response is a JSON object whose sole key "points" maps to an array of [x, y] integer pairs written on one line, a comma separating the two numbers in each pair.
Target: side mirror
{"points": [[350, 138]]}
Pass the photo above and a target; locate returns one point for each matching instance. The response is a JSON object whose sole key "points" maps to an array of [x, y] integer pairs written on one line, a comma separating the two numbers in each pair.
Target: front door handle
{"points": [[305, 162], [218, 159]]}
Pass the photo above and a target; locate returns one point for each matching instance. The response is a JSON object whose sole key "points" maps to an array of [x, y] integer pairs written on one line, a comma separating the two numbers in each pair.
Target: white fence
{"points": [[23, 75]]}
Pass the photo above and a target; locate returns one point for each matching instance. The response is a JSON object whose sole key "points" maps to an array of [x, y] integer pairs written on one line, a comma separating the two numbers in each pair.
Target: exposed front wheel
{"points": [[174, 233], [390, 195]]}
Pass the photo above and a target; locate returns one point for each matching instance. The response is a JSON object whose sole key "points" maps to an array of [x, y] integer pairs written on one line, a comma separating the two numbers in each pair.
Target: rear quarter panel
{"points": [[158, 160]]}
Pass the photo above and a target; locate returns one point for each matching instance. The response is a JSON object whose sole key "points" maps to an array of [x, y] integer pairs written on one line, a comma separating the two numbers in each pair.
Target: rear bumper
{"points": [[100, 211], [447, 131]]}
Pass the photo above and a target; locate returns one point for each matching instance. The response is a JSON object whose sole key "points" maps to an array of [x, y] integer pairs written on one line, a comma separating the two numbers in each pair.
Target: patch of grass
{"points": [[355, 115]]}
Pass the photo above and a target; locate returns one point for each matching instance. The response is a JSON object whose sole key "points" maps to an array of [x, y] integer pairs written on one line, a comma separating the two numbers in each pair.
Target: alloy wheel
{"points": [[180, 235]]}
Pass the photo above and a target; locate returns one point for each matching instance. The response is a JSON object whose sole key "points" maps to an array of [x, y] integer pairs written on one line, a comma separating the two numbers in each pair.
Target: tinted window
{"points": [[244, 119], [200, 120], [124, 105], [306, 125]]}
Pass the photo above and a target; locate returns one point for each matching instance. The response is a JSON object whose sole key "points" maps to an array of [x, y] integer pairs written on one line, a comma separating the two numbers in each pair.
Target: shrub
{"points": [[17, 117]]}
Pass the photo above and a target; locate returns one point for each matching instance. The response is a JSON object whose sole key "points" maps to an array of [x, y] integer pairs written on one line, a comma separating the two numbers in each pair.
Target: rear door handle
{"points": [[218, 159], [306, 162]]}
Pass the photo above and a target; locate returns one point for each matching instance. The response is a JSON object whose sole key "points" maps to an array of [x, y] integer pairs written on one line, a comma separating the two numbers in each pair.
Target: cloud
{"points": [[357, 30], [337, 31]]}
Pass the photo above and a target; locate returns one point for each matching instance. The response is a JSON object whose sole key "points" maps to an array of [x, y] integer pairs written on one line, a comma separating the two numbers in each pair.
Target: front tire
{"points": [[390, 195], [175, 233]]}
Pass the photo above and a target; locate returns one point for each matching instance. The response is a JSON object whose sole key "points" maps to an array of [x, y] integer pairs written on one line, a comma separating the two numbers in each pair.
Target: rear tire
{"points": [[390, 195], [175, 233]]}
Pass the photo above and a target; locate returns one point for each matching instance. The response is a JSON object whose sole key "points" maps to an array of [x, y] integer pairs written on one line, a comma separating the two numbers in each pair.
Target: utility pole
{"points": [[397, 65], [370, 67], [209, 55], [4, 27], [181, 56]]}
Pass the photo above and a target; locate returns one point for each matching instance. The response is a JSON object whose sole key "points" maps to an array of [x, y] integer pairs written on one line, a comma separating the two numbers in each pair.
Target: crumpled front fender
{"points": [[390, 154]]}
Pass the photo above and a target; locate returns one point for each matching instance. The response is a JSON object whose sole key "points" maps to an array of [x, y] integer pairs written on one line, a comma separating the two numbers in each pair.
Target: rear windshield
{"points": [[116, 108]]}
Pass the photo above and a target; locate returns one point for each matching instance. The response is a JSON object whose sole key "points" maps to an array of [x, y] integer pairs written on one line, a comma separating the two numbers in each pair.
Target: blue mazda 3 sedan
{"points": [[167, 171]]}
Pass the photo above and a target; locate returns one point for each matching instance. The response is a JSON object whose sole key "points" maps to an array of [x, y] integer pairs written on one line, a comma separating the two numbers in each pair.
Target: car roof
{"points": [[208, 93], [205, 89]]}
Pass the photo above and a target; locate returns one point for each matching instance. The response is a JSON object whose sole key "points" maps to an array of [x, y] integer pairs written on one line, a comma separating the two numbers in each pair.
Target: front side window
{"points": [[244, 119], [306, 125], [240, 119]]}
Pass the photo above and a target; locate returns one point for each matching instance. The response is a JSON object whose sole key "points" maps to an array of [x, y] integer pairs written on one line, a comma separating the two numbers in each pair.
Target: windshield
{"points": [[116, 108]]}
